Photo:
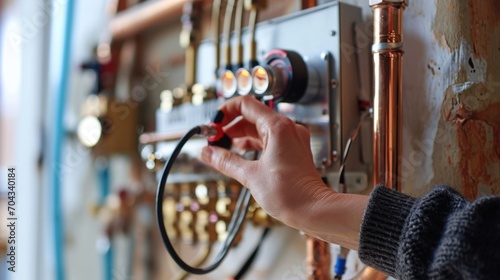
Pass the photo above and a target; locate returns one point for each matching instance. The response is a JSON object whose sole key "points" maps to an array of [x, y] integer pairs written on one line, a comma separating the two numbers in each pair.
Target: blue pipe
{"points": [[108, 263], [105, 189], [104, 185], [60, 101]]}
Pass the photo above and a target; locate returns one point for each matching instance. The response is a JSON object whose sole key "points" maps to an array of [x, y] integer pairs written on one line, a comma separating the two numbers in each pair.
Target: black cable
{"points": [[347, 148], [342, 257], [234, 225], [251, 258]]}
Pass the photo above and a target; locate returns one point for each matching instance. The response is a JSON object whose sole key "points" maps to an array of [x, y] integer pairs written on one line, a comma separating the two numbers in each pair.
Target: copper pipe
{"points": [[254, 14], [318, 259], [306, 4], [388, 62], [254, 6], [190, 37], [238, 26], [387, 120], [216, 10], [144, 16], [228, 20], [190, 66], [155, 137]]}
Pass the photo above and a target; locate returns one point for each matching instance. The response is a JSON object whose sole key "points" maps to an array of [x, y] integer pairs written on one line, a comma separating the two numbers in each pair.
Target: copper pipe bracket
{"points": [[386, 46]]}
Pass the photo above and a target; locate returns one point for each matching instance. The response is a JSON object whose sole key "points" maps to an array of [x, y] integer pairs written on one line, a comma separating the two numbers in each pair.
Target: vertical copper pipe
{"points": [[238, 25], [306, 4], [228, 20], [388, 62], [387, 123], [318, 259], [252, 23], [190, 69], [191, 21], [216, 11]]}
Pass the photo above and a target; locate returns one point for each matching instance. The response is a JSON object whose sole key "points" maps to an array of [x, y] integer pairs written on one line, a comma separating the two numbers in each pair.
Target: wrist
{"points": [[333, 217], [303, 215]]}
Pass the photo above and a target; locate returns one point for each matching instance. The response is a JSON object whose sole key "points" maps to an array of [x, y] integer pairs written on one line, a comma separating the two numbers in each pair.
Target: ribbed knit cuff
{"points": [[381, 228]]}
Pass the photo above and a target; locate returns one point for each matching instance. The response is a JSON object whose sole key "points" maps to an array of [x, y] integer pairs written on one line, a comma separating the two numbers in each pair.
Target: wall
{"points": [[451, 96], [451, 119]]}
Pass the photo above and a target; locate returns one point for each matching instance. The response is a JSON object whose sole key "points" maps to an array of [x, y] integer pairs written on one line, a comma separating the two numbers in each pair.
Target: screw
{"points": [[335, 155], [324, 55], [333, 83], [333, 32]]}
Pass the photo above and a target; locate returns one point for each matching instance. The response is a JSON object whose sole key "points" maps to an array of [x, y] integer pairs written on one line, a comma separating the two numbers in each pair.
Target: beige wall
{"points": [[451, 100]]}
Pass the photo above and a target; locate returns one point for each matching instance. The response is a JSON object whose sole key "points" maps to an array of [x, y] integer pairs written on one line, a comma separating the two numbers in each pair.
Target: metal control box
{"points": [[324, 37]]}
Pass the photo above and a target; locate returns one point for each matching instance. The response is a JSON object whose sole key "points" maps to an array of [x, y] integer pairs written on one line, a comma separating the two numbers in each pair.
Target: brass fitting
{"points": [[255, 4]]}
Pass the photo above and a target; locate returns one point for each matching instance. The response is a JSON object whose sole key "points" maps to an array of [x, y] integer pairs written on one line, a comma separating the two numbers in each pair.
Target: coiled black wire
{"points": [[235, 224]]}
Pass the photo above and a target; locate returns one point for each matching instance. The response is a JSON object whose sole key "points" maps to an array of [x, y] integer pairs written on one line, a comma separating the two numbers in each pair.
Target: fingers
{"points": [[255, 113], [247, 144], [247, 106], [241, 128], [304, 134], [258, 121], [228, 163]]}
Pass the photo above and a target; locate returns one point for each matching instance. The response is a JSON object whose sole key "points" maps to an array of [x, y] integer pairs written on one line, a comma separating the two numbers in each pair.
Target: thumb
{"points": [[227, 162]]}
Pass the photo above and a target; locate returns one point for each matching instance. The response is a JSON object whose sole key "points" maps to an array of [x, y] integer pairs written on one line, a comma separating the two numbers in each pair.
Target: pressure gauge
{"points": [[228, 84], [244, 79], [89, 131], [285, 76]]}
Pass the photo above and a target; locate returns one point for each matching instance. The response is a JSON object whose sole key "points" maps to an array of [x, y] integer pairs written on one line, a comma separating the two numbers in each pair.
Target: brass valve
{"points": [[200, 212], [255, 4]]}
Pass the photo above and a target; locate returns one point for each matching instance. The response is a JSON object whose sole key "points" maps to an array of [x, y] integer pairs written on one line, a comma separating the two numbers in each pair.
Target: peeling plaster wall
{"points": [[451, 119]]}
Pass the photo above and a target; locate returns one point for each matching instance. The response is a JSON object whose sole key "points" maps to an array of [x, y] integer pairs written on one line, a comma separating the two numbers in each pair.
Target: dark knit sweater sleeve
{"points": [[438, 236]]}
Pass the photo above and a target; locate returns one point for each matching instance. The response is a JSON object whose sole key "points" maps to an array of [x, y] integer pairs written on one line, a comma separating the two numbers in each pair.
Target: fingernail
{"points": [[206, 154]]}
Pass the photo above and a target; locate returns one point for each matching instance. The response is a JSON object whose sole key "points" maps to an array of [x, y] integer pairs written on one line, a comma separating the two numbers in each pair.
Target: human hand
{"points": [[284, 181]]}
